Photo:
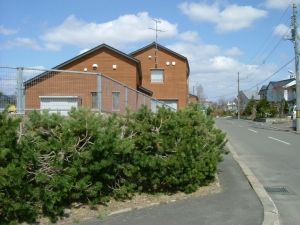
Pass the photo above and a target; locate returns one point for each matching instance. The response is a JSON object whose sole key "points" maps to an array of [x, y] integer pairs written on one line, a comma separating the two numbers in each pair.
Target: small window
{"points": [[157, 76], [94, 100], [116, 100]]}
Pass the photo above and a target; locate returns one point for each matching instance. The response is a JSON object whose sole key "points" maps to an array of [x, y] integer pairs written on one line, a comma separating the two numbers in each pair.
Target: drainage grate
{"points": [[277, 190]]}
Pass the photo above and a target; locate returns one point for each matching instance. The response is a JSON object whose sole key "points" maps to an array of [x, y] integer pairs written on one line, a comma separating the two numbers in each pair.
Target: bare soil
{"points": [[78, 213]]}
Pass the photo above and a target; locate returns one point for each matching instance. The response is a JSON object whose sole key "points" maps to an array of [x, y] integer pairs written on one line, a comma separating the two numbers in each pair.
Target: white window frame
{"points": [[157, 75]]}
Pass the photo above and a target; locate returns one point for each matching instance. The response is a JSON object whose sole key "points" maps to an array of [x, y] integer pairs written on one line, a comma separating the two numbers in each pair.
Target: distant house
{"points": [[231, 106], [165, 73], [193, 98], [263, 92], [276, 91], [290, 92], [164, 77], [245, 97]]}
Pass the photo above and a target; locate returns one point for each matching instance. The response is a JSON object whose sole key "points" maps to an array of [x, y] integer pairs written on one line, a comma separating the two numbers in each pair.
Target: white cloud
{"points": [[280, 4], [191, 36], [6, 31], [201, 12], [227, 18], [282, 30], [234, 51], [136, 28], [21, 42], [83, 51], [217, 73]]}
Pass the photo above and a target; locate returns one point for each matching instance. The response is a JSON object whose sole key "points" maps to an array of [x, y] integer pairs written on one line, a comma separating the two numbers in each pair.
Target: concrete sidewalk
{"points": [[237, 203], [284, 125]]}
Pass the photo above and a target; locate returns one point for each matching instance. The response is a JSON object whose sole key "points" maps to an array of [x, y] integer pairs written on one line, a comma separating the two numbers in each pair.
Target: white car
{"points": [[293, 112]]}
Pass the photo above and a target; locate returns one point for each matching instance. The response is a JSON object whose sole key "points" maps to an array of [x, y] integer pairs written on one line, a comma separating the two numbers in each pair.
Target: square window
{"points": [[157, 76]]}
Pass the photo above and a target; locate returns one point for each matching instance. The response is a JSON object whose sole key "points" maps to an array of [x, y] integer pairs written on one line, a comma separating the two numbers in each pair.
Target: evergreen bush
{"points": [[55, 160], [18, 196]]}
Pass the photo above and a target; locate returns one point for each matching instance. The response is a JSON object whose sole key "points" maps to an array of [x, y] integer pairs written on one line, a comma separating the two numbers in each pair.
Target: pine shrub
{"points": [[55, 160]]}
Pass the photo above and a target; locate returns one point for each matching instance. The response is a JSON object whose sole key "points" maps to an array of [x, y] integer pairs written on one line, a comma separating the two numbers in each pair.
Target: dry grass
{"points": [[79, 213]]}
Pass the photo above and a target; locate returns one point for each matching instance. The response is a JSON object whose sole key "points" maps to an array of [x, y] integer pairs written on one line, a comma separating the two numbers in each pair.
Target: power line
{"points": [[268, 37], [258, 83], [271, 75]]}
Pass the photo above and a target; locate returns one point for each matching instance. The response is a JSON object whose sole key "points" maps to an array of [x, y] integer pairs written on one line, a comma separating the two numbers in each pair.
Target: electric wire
{"points": [[271, 75], [268, 56], [269, 36], [258, 83]]}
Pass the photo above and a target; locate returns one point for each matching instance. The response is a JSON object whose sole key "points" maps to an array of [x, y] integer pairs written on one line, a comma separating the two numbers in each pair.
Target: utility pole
{"points": [[295, 38], [238, 95]]}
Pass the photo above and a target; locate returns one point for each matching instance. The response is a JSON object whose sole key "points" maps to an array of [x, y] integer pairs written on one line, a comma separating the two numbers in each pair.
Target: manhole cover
{"points": [[278, 190]]}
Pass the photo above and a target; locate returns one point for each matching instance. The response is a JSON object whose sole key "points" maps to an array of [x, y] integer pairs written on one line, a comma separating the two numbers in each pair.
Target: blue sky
{"points": [[220, 38]]}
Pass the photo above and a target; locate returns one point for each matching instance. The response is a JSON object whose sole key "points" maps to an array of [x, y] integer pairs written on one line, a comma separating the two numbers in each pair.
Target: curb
{"points": [[271, 216]]}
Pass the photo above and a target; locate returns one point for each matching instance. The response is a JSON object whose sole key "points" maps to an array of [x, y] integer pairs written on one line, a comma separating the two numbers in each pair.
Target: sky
{"points": [[220, 38]]}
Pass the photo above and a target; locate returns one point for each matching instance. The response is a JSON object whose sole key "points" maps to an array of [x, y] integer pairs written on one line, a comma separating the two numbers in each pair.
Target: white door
{"points": [[61, 104]]}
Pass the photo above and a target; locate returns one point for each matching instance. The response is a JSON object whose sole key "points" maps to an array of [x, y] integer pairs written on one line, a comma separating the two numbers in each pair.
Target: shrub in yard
{"points": [[56, 160], [17, 195], [78, 158], [177, 150]]}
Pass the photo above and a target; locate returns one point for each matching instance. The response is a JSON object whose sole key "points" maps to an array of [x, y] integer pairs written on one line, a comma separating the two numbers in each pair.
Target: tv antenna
{"points": [[156, 33]]}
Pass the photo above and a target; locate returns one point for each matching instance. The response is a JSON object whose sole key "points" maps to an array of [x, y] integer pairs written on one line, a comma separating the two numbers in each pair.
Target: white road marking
{"points": [[280, 141], [241, 126], [253, 130]]}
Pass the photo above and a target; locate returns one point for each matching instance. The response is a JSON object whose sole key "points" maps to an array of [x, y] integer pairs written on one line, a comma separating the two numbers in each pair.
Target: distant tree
{"points": [[222, 102], [263, 107], [284, 107], [250, 106], [200, 94], [214, 105], [209, 111], [274, 111]]}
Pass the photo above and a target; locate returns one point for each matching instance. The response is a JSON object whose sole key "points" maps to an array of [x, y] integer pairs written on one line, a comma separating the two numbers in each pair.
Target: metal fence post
{"points": [[99, 92], [20, 91], [126, 96]]}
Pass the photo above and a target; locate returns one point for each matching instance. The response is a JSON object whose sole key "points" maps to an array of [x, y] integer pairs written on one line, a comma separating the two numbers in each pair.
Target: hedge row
{"points": [[51, 161]]}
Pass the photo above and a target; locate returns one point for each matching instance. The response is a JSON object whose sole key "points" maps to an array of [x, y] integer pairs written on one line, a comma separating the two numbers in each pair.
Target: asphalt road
{"points": [[273, 155]]}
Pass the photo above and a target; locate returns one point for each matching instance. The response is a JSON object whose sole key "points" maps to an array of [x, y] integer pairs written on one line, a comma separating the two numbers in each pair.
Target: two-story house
{"points": [[263, 92], [165, 79], [290, 93], [165, 73], [275, 91]]}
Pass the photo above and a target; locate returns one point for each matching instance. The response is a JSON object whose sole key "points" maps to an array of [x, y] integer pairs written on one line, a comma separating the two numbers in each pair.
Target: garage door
{"points": [[61, 104]]}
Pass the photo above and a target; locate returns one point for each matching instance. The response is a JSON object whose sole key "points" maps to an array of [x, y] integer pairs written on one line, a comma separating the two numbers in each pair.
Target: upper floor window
{"points": [[157, 76]]}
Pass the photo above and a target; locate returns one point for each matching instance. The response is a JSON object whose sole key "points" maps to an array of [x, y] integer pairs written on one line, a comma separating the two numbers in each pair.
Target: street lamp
{"points": [[291, 72]]}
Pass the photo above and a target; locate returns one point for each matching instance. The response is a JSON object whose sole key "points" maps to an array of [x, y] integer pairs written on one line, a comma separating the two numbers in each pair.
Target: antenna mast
{"points": [[156, 31]]}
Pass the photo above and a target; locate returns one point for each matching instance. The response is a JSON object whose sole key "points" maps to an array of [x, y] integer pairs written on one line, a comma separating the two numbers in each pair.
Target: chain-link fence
{"points": [[60, 90]]}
